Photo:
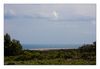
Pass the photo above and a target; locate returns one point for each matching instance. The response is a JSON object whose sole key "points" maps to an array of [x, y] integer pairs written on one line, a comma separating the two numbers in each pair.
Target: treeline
{"points": [[14, 54]]}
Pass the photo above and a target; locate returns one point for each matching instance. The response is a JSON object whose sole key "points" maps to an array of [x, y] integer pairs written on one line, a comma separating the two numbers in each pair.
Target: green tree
{"points": [[7, 40], [16, 47], [7, 44], [11, 47]]}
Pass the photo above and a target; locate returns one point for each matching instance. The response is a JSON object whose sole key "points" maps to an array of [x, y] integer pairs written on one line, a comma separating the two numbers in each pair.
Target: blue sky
{"points": [[51, 23]]}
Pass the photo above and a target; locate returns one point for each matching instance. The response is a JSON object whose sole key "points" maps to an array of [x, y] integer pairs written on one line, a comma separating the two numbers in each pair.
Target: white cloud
{"points": [[55, 14]]}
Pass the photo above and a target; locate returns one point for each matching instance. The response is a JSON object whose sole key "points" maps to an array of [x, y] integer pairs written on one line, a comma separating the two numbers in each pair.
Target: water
{"points": [[38, 46]]}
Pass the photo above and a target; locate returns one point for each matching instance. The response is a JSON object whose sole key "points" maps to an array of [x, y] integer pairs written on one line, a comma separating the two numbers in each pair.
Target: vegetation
{"points": [[84, 55], [11, 47]]}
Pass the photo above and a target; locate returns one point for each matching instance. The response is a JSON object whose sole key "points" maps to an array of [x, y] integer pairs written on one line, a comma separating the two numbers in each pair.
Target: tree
{"points": [[11, 47], [7, 44], [7, 40], [88, 51], [88, 47], [16, 47]]}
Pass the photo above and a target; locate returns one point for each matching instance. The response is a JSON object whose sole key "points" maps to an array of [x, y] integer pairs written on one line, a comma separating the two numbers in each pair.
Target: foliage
{"points": [[88, 51], [11, 47]]}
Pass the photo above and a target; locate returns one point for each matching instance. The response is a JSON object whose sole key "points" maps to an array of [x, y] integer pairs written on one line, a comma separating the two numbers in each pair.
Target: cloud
{"points": [[54, 16], [53, 12]]}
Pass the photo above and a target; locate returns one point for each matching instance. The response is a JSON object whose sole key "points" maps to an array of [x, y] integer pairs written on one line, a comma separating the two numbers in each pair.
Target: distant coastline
{"points": [[50, 47], [46, 49]]}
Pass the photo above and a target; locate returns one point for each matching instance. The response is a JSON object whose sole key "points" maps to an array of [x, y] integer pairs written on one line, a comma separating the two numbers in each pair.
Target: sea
{"points": [[47, 46]]}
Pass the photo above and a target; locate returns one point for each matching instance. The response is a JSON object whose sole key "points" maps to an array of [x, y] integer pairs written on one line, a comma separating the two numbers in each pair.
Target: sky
{"points": [[51, 23]]}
